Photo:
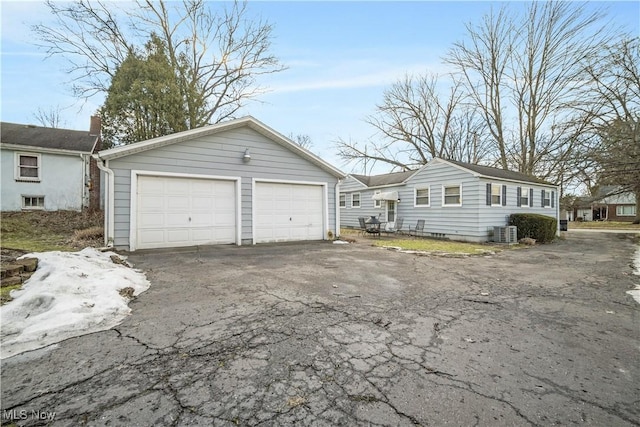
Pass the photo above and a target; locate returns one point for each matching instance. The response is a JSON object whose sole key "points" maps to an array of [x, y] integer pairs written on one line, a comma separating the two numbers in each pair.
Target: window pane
{"points": [[452, 195], [496, 194], [28, 161], [422, 196], [28, 172]]}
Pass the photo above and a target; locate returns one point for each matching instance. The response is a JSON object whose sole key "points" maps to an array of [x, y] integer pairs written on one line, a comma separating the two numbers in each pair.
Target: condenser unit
{"points": [[507, 234]]}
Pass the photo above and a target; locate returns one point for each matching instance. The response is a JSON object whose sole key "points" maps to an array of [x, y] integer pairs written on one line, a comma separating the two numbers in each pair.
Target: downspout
{"points": [[85, 173], [337, 197], [109, 220]]}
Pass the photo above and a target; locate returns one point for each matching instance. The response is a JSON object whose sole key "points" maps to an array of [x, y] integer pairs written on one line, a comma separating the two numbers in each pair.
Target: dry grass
{"points": [[47, 231], [609, 225], [423, 244]]}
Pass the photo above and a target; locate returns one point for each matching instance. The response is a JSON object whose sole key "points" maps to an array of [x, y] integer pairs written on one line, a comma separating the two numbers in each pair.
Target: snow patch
{"points": [[70, 294], [635, 293]]}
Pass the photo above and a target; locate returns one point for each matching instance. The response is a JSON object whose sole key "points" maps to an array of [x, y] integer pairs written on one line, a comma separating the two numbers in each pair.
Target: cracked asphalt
{"points": [[320, 334]]}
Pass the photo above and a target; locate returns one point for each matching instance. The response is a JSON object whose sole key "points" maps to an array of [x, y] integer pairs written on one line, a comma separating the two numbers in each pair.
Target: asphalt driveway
{"points": [[320, 334]]}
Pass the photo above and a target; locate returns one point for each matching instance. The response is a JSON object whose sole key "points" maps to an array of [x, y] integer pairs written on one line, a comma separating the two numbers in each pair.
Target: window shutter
{"points": [[553, 199], [531, 197], [542, 200], [489, 194], [504, 195], [519, 195]]}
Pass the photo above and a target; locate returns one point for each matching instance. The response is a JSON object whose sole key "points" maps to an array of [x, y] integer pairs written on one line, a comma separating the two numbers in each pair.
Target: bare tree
{"points": [[418, 123], [614, 117], [303, 140], [50, 117], [217, 56], [524, 73]]}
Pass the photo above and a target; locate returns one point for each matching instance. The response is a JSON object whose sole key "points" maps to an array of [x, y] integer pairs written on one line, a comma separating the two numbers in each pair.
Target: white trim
{"points": [[133, 198], [529, 202], [42, 150], [499, 204], [32, 208], [16, 166], [345, 200], [247, 121], [325, 204], [359, 200], [377, 204], [620, 208], [415, 196], [443, 195]]}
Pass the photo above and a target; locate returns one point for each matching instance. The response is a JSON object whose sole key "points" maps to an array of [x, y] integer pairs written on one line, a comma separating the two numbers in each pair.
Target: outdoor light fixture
{"points": [[247, 156]]}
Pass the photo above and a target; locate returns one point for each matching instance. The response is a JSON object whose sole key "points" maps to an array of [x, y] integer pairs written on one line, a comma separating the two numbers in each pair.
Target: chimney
{"points": [[95, 125]]}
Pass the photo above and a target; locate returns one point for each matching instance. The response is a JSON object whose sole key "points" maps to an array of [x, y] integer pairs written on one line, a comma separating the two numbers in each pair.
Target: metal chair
{"points": [[396, 229], [363, 225], [419, 228]]}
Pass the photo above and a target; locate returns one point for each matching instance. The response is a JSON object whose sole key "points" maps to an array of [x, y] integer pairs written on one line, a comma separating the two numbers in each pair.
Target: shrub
{"points": [[540, 227]]}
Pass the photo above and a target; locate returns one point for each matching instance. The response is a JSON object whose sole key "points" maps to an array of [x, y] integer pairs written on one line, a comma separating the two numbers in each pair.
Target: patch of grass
{"points": [[619, 225], [5, 291], [49, 231], [443, 246]]}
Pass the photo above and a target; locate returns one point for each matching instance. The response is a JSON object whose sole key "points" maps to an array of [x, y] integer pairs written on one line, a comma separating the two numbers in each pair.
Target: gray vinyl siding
{"points": [[490, 216], [472, 221], [218, 155], [349, 215], [455, 222]]}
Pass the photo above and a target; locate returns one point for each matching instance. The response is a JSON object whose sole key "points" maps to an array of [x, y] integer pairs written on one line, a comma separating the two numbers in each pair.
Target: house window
{"points": [[32, 202], [546, 199], [377, 203], [343, 200], [355, 200], [524, 196], [27, 167], [421, 197], [452, 195], [628, 210], [496, 195]]}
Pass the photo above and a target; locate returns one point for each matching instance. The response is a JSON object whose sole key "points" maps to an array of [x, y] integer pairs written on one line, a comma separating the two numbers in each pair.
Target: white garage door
{"points": [[174, 212], [288, 212]]}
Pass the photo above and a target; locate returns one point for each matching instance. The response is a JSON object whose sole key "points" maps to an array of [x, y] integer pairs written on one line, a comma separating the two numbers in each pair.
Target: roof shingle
{"points": [[43, 137]]}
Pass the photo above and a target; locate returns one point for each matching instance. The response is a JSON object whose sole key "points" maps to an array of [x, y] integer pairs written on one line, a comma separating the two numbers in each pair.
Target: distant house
{"points": [[49, 168], [609, 204], [460, 201]]}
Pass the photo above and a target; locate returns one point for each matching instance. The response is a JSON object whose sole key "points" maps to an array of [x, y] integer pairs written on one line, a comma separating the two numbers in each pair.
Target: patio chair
{"points": [[396, 229], [419, 228], [363, 225]]}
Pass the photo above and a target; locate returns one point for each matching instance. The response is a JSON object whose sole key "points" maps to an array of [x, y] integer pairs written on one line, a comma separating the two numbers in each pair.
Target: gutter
{"points": [[109, 220], [337, 207]]}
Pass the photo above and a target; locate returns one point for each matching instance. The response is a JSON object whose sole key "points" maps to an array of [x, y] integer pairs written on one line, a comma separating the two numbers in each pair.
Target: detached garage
{"points": [[237, 182]]}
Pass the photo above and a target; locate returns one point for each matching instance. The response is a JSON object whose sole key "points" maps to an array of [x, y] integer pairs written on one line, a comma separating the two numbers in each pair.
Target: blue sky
{"points": [[341, 57]]}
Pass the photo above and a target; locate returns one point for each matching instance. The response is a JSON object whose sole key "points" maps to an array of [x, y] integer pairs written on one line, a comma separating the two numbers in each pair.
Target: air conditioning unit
{"points": [[507, 234]]}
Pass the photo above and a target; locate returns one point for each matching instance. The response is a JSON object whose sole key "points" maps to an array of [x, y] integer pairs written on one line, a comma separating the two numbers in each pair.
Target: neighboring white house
{"points": [[236, 182], [459, 201], [48, 168]]}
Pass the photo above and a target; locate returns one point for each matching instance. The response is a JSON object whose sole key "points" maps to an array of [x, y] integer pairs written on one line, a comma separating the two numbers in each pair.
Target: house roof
{"points": [[30, 136], [247, 121], [489, 171], [384, 179], [485, 171]]}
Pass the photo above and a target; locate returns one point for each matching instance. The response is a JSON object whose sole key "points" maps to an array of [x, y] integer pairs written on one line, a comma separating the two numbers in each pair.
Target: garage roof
{"points": [[247, 121]]}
